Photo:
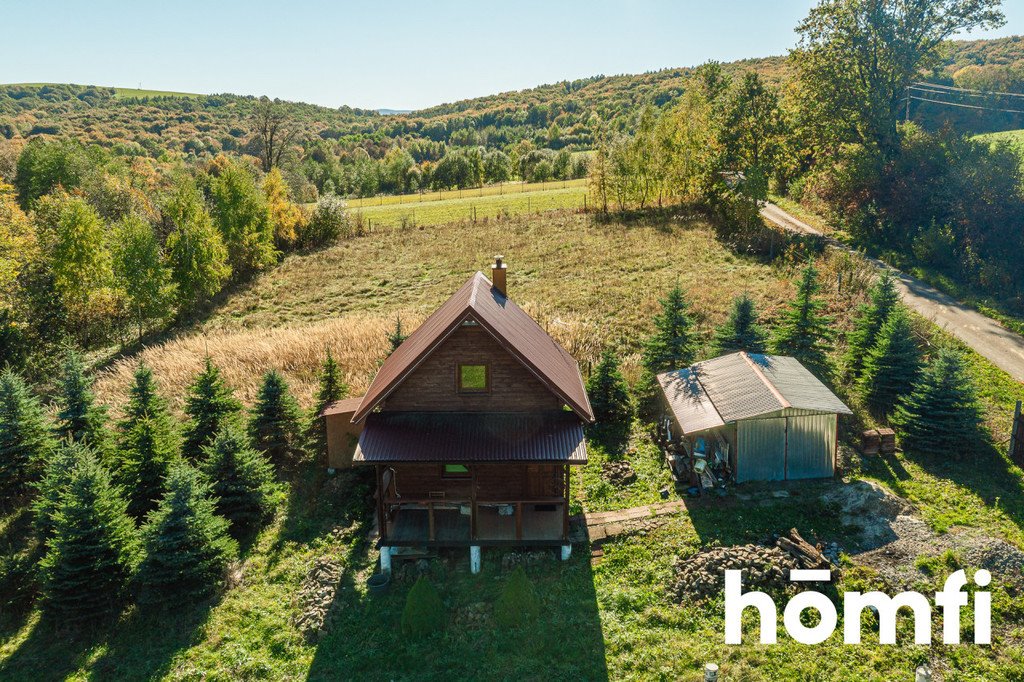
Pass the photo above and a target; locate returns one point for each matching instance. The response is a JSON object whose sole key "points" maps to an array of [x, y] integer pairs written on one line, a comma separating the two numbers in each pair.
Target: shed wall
{"points": [[811, 446], [761, 450]]}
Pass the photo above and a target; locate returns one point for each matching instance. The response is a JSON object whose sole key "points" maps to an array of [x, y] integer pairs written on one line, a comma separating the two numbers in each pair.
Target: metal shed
{"points": [[775, 419]]}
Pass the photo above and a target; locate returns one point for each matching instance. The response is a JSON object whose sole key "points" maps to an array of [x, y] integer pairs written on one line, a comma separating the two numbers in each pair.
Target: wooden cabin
{"points": [[749, 417], [471, 426]]}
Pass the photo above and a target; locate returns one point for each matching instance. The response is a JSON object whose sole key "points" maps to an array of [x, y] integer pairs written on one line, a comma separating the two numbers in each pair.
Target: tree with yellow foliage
{"points": [[18, 243], [286, 218]]}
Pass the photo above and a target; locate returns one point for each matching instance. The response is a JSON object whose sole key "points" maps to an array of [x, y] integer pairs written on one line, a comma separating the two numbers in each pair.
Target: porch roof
{"points": [[550, 437]]}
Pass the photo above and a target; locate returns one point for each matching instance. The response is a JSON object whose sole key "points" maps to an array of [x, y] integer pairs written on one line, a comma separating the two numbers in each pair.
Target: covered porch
{"points": [[472, 479]]}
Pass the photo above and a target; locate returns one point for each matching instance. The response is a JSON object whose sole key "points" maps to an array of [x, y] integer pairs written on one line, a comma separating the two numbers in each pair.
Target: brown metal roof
{"points": [[344, 406], [471, 437], [509, 324]]}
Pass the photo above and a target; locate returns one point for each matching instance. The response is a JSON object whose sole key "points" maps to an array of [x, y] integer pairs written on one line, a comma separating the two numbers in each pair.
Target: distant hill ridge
{"points": [[152, 122]]}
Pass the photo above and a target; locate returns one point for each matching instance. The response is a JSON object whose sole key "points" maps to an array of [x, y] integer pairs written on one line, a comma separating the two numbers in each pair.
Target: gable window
{"points": [[473, 379], [455, 471]]}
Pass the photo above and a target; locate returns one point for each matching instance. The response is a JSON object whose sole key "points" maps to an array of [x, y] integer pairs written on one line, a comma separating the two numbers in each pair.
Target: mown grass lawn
{"points": [[589, 283]]}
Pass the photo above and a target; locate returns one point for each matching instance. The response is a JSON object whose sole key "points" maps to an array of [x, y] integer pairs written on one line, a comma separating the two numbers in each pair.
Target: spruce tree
{"points": [[518, 604], [274, 423], [80, 419], [210, 404], [93, 550], [187, 546], [891, 365], [870, 318], [672, 345], [804, 331], [396, 338], [332, 387], [26, 437], [61, 464], [942, 415], [741, 332], [242, 479], [609, 399], [148, 445]]}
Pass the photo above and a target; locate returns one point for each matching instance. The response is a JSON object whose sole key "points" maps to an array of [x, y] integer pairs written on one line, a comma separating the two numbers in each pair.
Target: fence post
{"points": [[1015, 436]]}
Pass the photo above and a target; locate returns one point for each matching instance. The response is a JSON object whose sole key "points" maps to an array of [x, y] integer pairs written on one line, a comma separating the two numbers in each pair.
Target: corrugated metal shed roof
{"points": [[344, 406], [689, 401], [742, 386], [555, 437], [515, 330]]}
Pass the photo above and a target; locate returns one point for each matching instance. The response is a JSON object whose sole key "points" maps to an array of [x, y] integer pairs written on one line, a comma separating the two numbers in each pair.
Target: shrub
{"points": [[329, 222], [423, 614], [187, 545], [518, 604]]}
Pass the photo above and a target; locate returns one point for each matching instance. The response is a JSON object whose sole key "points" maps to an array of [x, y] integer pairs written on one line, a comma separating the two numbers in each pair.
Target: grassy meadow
{"points": [[471, 205], [589, 283]]}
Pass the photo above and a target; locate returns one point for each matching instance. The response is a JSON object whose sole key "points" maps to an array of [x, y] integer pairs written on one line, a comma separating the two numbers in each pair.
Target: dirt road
{"points": [[1002, 347]]}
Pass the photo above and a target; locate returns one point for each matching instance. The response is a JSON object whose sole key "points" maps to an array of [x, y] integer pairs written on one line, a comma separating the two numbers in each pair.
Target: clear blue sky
{"points": [[398, 54]]}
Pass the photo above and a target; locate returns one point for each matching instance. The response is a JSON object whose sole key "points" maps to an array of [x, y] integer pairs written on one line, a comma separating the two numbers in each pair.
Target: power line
{"points": [[966, 106], [989, 93], [951, 93]]}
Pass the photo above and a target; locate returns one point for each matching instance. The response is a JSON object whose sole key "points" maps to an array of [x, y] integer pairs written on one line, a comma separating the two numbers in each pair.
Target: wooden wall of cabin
{"points": [[433, 385], [342, 438], [496, 482]]}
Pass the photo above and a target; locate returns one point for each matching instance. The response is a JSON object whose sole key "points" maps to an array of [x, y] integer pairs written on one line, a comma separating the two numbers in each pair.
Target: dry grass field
{"points": [[587, 282]]}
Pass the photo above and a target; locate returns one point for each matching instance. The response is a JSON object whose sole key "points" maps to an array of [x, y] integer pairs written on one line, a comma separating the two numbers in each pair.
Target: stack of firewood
{"points": [[805, 554]]}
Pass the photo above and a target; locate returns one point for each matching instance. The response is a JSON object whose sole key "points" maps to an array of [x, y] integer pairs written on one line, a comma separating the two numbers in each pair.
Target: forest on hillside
{"points": [[121, 215], [511, 135]]}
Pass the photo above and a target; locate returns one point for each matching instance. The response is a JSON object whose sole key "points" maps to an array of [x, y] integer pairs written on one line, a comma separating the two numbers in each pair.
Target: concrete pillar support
{"points": [[566, 552], [385, 560], [474, 559]]}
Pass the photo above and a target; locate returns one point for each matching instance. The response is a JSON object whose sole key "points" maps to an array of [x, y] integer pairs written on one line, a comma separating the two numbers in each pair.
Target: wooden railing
{"points": [[431, 502]]}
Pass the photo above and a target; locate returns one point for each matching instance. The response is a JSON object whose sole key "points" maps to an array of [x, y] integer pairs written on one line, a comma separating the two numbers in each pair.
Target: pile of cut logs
{"points": [[805, 554]]}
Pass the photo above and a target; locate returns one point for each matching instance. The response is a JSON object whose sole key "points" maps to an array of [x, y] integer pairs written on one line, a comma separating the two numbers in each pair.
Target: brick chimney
{"points": [[498, 275]]}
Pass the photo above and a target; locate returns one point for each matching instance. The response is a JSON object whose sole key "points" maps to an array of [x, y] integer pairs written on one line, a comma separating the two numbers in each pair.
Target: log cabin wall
{"points": [[502, 482], [433, 385]]}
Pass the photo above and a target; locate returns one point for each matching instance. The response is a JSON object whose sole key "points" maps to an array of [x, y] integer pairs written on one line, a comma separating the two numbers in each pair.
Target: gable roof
{"points": [[743, 386], [511, 327], [343, 406]]}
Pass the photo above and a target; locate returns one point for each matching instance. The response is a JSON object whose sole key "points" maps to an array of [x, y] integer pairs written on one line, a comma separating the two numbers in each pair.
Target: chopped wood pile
{"points": [[765, 568], [805, 554]]}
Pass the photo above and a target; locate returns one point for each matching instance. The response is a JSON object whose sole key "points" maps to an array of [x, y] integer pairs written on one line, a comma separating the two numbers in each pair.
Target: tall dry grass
{"points": [[358, 342]]}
